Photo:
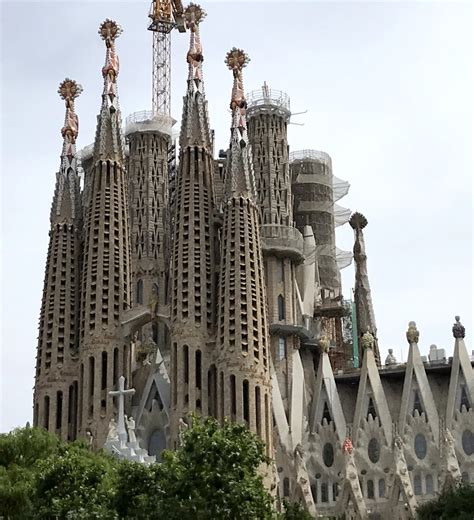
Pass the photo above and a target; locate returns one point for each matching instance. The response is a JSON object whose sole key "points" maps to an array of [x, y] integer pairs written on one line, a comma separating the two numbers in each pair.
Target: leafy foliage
{"points": [[217, 473], [455, 503]]}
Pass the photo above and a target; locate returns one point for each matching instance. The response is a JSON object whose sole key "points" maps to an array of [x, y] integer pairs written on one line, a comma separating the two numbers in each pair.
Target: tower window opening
{"points": [[381, 488], [46, 412], [281, 308], [233, 397], [139, 293], [429, 485], [186, 363], [324, 492], [258, 412], [281, 348], [370, 489], [59, 409], [103, 384], [116, 367], [175, 373], [245, 396], [417, 485], [198, 369]]}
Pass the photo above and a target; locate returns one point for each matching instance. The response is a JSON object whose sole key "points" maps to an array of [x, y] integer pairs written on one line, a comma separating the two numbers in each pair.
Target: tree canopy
{"points": [[216, 473], [452, 503]]}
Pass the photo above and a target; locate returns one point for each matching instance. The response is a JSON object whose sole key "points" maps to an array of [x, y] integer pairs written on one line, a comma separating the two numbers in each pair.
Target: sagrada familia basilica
{"points": [[179, 281]]}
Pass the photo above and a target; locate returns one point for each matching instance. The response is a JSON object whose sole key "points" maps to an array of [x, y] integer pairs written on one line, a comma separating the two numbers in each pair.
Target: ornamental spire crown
{"points": [[109, 140], [195, 130], [240, 179], [67, 180]]}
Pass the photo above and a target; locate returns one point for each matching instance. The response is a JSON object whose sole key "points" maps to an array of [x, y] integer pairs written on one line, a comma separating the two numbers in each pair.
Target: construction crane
{"points": [[165, 16]]}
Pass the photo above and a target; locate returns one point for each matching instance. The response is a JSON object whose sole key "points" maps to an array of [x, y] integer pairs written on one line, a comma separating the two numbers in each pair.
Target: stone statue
{"points": [[324, 344], [450, 459], [390, 359], [131, 429], [113, 433], [413, 334], [90, 438], [458, 329]]}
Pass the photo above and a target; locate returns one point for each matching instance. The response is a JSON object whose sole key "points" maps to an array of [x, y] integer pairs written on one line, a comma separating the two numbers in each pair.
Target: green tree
{"points": [[457, 503], [20, 452], [213, 475]]}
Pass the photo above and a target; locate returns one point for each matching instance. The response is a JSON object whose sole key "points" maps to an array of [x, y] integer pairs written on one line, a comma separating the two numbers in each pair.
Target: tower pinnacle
{"points": [[109, 143], [362, 294], [240, 178]]}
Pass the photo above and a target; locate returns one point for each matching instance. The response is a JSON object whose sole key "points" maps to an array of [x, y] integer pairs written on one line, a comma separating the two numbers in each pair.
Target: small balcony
{"points": [[282, 241]]}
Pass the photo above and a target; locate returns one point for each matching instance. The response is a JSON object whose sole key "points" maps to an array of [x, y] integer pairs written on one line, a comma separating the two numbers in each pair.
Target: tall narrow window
{"points": [[281, 270], [371, 409], [382, 488], [59, 410], [417, 485], [286, 487], [245, 396], [258, 414], [198, 369], [186, 363], [335, 491], [281, 348], [370, 489], [46, 411], [154, 332], [212, 391], [429, 485], [222, 396], [324, 492], [267, 425], [103, 379], [417, 406], [175, 373], [116, 366], [139, 294], [464, 400], [91, 385], [233, 397], [281, 308]]}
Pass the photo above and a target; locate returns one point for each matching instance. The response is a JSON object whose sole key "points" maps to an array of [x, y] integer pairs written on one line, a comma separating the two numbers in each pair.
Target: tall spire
{"points": [[109, 141], [362, 295], [65, 202], [195, 122], [240, 178]]}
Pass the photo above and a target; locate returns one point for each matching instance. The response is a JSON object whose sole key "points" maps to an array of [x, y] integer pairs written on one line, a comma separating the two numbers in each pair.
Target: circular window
{"points": [[468, 442], [420, 446], [328, 455], [374, 450]]}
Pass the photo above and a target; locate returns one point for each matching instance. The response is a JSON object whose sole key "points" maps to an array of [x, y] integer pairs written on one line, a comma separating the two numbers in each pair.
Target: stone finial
{"points": [[390, 359], [368, 340], [458, 329], [413, 334], [324, 344], [193, 16], [358, 221], [109, 30], [347, 446]]}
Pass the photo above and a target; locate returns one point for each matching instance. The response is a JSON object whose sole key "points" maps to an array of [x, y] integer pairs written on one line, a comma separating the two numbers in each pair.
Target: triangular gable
{"points": [[370, 384], [326, 394], [279, 414], [461, 372], [416, 370], [297, 398]]}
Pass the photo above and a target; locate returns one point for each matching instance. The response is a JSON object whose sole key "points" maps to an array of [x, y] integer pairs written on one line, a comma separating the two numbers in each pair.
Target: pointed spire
{"points": [[195, 129], [109, 140], [240, 179], [67, 181], [362, 295]]}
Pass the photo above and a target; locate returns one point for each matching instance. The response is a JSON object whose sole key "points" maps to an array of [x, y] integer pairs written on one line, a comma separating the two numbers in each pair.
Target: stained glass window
{"points": [[374, 450], [328, 454], [468, 442], [420, 446]]}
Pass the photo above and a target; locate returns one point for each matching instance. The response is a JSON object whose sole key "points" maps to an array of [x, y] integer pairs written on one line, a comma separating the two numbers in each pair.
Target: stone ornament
{"points": [[324, 344], [458, 329], [390, 359], [413, 334], [368, 340]]}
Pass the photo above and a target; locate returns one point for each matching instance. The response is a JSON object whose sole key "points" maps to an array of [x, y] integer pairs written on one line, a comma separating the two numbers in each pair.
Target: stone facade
{"points": [[213, 287]]}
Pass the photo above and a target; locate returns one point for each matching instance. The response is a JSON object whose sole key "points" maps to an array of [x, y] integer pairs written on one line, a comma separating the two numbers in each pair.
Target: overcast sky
{"points": [[388, 90]]}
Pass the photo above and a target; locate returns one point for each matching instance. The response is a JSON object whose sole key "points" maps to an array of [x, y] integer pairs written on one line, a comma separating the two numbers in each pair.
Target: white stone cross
{"points": [[120, 394]]}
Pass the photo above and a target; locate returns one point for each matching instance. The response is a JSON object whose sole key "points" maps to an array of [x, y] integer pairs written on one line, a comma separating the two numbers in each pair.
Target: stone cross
{"points": [[120, 394]]}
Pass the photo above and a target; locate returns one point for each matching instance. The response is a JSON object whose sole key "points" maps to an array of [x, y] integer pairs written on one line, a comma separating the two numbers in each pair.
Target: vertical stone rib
{"points": [[58, 325]]}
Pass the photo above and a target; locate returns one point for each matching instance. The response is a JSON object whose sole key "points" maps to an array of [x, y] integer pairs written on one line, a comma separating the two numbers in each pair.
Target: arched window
{"points": [[382, 488], [281, 348], [420, 446], [281, 308], [245, 396], [139, 294], [314, 491], [417, 485], [233, 397], [370, 489], [429, 485], [103, 379], [59, 409], [186, 363], [198, 369], [46, 411], [335, 491], [286, 487]]}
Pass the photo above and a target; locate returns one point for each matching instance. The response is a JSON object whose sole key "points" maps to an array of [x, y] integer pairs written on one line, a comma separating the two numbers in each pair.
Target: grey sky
{"points": [[388, 89]]}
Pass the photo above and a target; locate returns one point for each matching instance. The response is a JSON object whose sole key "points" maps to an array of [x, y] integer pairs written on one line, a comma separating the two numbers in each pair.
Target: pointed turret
{"points": [[106, 270], [362, 295], [242, 336], [58, 329], [193, 251]]}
